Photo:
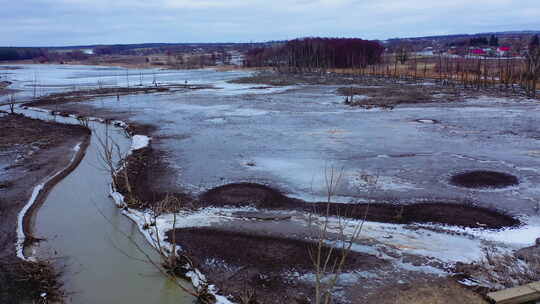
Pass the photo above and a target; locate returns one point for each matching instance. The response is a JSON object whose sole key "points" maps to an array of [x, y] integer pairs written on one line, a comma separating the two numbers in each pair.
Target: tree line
{"points": [[13, 53], [316, 54], [517, 74], [39, 54]]}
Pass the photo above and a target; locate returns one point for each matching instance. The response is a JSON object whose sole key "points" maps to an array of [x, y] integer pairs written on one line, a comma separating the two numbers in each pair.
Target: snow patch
{"points": [[21, 236], [387, 183], [139, 142]]}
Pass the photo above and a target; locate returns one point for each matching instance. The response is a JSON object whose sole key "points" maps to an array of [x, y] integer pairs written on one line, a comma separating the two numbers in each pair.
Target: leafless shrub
{"points": [[109, 152], [329, 263], [171, 263], [248, 296], [12, 104], [502, 270], [83, 121]]}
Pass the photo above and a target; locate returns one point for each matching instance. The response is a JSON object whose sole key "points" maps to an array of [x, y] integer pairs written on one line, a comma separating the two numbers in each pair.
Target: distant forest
{"points": [[308, 54], [9, 53], [39, 54]]}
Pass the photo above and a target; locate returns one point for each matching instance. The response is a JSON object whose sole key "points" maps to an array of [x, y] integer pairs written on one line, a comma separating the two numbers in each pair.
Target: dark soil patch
{"points": [[89, 94], [83, 95], [266, 253], [136, 189], [247, 194], [26, 282], [22, 134], [266, 78], [387, 96], [285, 79], [484, 179], [241, 263], [260, 196], [434, 212]]}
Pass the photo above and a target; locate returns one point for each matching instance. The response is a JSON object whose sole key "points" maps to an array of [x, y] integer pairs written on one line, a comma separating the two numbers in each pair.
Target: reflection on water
{"points": [[82, 227]]}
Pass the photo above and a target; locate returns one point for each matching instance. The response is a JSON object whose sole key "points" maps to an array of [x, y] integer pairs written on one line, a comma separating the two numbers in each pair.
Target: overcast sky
{"points": [[71, 22]]}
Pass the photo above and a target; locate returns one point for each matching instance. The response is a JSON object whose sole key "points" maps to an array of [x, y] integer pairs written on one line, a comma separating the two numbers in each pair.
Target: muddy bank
{"points": [[118, 92], [134, 181], [83, 95], [262, 269], [31, 151]]}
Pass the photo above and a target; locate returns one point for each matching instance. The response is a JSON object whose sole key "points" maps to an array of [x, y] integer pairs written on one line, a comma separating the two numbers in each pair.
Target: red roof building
{"points": [[478, 52]]}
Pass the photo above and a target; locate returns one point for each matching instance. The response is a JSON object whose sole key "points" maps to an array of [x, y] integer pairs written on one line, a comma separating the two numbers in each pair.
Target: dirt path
{"points": [[30, 151]]}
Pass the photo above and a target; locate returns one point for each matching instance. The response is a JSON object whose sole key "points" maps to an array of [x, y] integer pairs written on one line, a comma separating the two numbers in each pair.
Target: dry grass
{"points": [[498, 271], [264, 78], [442, 291], [36, 282], [388, 95]]}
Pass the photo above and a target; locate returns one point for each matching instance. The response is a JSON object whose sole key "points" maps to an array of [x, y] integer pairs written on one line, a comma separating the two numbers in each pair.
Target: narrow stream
{"points": [[82, 227]]}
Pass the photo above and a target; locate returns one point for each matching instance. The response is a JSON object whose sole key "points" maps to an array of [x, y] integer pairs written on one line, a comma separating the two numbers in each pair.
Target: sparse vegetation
{"points": [[386, 96], [35, 282], [329, 264], [499, 270]]}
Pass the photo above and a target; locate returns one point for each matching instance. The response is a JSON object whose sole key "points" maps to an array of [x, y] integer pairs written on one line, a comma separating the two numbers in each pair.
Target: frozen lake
{"points": [[286, 137]]}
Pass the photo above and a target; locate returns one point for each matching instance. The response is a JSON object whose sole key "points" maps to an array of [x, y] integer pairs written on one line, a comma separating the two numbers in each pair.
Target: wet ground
{"points": [[30, 152]]}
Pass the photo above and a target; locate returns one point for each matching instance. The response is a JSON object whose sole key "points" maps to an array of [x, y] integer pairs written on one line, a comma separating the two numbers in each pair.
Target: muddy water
{"points": [[82, 228]]}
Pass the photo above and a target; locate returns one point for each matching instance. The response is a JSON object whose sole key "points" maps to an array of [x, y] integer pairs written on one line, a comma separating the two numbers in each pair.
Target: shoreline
{"points": [[39, 194], [40, 154]]}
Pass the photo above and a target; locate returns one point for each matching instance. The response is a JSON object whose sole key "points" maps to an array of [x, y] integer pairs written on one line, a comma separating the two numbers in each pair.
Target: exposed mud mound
{"points": [[484, 179], [137, 190], [263, 252], [261, 266], [245, 194], [458, 214], [440, 213]]}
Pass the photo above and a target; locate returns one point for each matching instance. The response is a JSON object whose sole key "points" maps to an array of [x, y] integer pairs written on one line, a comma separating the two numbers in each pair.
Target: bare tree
{"points": [[171, 263], [532, 70], [329, 261], [12, 104]]}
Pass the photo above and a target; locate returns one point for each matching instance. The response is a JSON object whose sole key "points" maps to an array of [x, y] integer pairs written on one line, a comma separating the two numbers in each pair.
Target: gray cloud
{"points": [[68, 22]]}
